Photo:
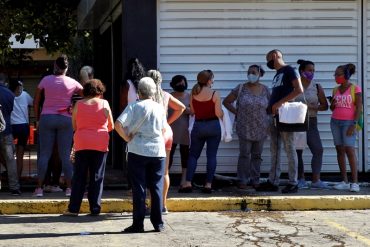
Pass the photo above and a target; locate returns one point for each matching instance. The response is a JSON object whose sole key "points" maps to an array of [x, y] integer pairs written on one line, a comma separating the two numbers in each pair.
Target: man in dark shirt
{"points": [[6, 137], [286, 85]]}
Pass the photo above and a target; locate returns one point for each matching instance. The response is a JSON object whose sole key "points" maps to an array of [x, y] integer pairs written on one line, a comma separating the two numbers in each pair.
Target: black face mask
{"points": [[270, 64], [179, 88]]}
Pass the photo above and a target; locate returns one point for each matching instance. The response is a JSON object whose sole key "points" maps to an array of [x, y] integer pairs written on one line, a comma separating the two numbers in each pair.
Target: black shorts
{"points": [[21, 132]]}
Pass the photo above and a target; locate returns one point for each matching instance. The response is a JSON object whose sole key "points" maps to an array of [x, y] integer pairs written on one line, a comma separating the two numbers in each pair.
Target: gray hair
{"points": [[146, 87], [86, 73], [157, 77]]}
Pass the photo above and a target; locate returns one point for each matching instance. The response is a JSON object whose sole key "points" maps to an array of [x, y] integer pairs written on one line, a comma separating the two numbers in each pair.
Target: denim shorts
{"points": [[339, 130]]}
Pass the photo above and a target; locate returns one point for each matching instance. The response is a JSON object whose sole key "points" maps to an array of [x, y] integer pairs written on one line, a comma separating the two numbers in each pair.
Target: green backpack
{"points": [[360, 122]]}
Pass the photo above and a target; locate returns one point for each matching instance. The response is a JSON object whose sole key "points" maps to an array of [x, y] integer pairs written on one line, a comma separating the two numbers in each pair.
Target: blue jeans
{"points": [[91, 161], [204, 132], [7, 151], [146, 172], [51, 128], [339, 130], [249, 162]]}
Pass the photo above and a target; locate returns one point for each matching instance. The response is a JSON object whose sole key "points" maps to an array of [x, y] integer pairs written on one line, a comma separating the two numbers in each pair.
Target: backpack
{"points": [[360, 122]]}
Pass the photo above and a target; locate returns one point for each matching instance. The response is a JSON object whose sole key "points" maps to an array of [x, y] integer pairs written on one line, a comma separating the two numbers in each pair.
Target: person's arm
{"points": [[36, 103], [177, 108], [74, 115], [228, 102], [218, 109], [122, 131], [323, 103], [108, 114], [298, 89]]}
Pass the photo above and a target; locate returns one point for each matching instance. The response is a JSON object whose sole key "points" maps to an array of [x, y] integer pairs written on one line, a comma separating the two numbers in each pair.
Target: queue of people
{"points": [[153, 122]]}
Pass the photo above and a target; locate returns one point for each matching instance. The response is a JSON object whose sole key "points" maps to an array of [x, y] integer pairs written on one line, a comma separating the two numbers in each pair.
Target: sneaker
{"points": [[164, 211], [320, 185], [47, 188], [68, 192], [38, 192], [159, 228], [290, 188], [302, 184], [15, 193], [55, 188], [342, 186], [133, 229], [354, 187], [267, 186]]}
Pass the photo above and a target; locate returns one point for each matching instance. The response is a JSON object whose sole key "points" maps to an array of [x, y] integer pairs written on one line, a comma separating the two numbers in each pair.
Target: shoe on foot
{"points": [[267, 186], [290, 188], [342, 186], [159, 228], [68, 192], [354, 187], [15, 193], [319, 185], [133, 229], [207, 190], [55, 188], [185, 190], [164, 211], [302, 184], [38, 192], [47, 188], [68, 213]]}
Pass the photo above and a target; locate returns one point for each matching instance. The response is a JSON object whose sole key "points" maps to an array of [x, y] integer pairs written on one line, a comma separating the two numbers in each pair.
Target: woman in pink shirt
{"points": [[55, 120], [346, 105], [92, 121]]}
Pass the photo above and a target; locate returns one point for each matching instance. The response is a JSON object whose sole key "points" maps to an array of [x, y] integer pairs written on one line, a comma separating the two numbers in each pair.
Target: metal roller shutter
{"points": [[228, 36]]}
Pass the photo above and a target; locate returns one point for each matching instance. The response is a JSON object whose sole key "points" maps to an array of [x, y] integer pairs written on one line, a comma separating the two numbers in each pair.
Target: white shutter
{"points": [[366, 96], [228, 36]]}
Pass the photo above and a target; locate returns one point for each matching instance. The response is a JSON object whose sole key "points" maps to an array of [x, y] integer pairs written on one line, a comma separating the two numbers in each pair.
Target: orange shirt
{"points": [[91, 127]]}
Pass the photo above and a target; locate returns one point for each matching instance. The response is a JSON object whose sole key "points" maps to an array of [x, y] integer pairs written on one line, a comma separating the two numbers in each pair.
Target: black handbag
{"points": [[296, 127]]}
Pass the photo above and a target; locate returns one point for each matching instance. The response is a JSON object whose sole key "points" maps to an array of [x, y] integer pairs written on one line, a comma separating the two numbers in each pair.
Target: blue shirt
{"points": [[282, 84], [6, 102], [148, 138]]}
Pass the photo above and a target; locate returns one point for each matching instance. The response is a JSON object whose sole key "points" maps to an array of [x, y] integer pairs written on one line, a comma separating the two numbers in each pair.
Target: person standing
{"points": [[286, 85], [180, 127], [168, 102], [142, 125], [205, 103], [20, 120], [92, 121], [55, 120], [314, 96], [346, 106], [252, 123], [6, 137]]}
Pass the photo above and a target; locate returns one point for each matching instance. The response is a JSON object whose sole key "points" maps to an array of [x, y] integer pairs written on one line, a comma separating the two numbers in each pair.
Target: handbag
{"points": [[292, 117]]}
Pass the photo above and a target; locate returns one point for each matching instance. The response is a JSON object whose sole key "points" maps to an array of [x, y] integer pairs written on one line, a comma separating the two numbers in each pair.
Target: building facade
{"points": [[226, 36]]}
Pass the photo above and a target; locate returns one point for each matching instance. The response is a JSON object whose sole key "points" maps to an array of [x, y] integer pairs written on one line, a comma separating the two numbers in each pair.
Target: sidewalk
{"points": [[223, 199]]}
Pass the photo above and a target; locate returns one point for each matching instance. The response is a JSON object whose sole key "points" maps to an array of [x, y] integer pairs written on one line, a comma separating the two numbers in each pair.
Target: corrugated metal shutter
{"points": [[228, 36]]}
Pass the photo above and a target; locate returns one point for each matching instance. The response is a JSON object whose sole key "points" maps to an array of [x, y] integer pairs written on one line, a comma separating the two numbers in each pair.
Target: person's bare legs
{"points": [[351, 155], [20, 154], [166, 179], [341, 157]]}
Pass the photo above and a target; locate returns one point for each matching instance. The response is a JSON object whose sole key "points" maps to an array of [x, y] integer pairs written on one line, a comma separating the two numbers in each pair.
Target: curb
{"points": [[211, 204]]}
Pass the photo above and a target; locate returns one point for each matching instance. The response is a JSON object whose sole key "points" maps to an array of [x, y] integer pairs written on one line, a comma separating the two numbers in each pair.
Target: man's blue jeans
{"points": [[7, 151], [146, 172]]}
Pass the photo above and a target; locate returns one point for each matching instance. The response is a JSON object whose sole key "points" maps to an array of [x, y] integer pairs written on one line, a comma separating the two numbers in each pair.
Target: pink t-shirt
{"points": [[58, 93], [345, 108], [91, 127]]}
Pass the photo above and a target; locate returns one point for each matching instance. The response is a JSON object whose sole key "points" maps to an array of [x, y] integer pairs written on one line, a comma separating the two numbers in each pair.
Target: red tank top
{"points": [[204, 110]]}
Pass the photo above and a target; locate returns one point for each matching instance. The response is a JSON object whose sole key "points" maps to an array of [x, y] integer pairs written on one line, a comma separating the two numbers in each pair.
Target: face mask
{"points": [[179, 88], [270, 64], [340, 79], [253, 78], [308, 75]]}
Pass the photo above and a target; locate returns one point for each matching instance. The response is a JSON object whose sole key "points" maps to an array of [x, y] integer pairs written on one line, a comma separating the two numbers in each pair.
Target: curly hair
{"points": [[135, 71], [93, 88]]}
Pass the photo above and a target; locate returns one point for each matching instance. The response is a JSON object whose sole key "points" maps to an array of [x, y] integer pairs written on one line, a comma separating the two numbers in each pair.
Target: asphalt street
{"points": [[228, 228]]}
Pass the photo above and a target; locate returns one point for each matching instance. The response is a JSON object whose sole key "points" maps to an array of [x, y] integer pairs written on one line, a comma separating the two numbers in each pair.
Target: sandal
{"points": [[207, 190]]}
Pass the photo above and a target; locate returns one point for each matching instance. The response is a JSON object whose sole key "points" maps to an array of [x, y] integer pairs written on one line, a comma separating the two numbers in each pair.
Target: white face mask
{"points": [[253, 78]]}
